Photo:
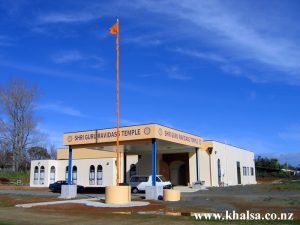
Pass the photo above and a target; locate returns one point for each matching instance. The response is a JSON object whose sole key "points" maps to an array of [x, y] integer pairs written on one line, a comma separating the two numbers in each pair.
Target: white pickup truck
{"points": [[140, 182]]}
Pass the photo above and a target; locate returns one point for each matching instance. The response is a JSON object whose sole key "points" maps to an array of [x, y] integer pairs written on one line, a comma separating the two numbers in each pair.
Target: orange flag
{"points": [[114, 29]]}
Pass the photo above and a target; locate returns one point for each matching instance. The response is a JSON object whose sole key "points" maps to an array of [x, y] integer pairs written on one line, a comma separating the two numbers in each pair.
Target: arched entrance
{"points": [[132, 170], [178, 172], [175, 167]]}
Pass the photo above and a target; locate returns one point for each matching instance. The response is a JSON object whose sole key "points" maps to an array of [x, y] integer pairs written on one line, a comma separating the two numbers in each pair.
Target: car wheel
{"points": [[135, 190]]}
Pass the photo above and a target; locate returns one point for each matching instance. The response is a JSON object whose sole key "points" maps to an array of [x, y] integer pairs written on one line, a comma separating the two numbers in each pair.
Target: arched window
{"points": [[52, 174], [36, 175], [74, 175], [92, 175], [132, 170], [67, 170], [42, 175], [99, 175], [219, 172]]}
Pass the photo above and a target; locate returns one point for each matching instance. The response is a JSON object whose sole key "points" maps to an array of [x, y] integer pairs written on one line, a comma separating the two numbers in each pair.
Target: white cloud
{"points": [[35, 70], [226, 28], [174, 73], [67, 56], [77, 56], [46, 71], [80, 12], [201, 55], [128, 122], [232, 33], [61, 108], [231, 69], [143, 40], [66, 18]]}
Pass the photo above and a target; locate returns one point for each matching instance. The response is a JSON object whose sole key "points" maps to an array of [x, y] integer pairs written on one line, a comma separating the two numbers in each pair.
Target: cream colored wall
{"points": [[47, 164], [84, 153], [204, 167], [131, 159], [228, 156], [83, 166], [83, 158], [192, 167]]}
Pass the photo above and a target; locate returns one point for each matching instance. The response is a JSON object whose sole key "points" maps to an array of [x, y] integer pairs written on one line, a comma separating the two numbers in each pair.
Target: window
{"points": [[143, 179], [92, 175], [132, 170], [238, 169], [244, 171], [52, 174], [36, 175], [74, 175], [252, 171], [219, 172], [42, 175], [248, 173], [67, 171], [139, 179], [99, 175], [163, 179]]}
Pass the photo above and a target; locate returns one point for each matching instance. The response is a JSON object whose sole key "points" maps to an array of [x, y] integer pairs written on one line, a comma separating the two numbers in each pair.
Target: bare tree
{"points": [[18, 123]]}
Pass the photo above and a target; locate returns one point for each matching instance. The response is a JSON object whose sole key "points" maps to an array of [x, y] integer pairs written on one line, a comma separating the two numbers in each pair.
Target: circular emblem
{"points": [[69, 139], [147, 130], [160, 131]]}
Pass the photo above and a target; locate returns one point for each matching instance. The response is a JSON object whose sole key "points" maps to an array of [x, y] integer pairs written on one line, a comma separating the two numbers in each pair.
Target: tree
{"points": [[52, 152], [38, 153], [5, 155], [18, 123]]}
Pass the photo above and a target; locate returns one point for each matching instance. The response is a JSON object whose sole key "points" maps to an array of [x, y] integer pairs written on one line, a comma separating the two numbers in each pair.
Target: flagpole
{"points": [[117, 107]]}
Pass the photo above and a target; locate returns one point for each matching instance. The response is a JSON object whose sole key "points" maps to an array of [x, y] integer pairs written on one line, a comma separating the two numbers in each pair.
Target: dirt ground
{"points": [[20, 187], [272, 198]]}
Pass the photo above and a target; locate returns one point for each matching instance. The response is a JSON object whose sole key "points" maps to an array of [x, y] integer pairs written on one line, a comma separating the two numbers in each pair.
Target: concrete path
{"points": [[95, 202], [187, 189]]}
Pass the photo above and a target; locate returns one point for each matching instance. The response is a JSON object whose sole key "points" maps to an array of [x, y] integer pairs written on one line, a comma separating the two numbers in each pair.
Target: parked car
{"points": [[139, 182], [56, 187]]}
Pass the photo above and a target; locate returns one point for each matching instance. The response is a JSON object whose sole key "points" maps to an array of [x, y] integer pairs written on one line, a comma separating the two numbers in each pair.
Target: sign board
{"points": [[132, 133]]}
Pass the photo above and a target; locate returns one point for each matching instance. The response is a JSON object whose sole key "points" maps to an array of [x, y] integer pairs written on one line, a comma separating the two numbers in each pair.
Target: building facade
{"points": [[181, 157]]}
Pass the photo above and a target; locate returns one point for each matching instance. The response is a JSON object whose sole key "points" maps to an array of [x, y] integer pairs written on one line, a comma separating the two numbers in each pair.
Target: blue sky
{"points": [[228, 71]]}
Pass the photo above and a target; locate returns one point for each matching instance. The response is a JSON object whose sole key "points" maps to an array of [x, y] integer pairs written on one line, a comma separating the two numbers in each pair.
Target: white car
{"points": [[140, 182]]}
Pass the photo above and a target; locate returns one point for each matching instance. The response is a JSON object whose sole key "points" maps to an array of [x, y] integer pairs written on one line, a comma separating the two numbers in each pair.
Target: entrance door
{"points": [[238, 168], [177, 172]]}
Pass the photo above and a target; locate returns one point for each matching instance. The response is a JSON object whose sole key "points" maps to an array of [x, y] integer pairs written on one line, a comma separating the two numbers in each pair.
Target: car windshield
{"points": [[163, 179]]}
